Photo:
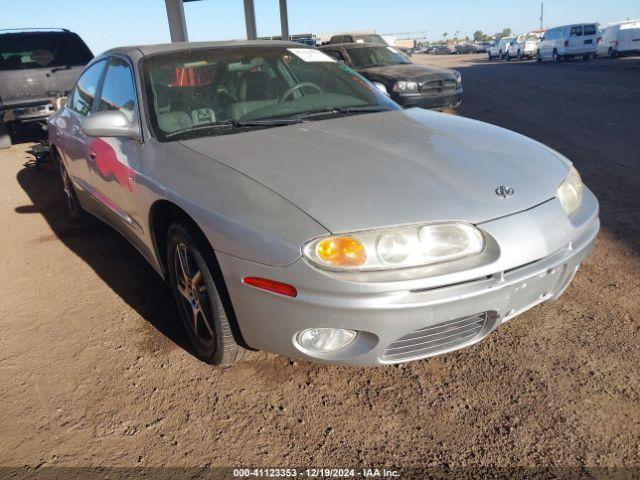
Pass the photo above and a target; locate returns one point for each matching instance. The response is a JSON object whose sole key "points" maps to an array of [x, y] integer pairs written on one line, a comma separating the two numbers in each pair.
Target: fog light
{"points": [[325, 339]]}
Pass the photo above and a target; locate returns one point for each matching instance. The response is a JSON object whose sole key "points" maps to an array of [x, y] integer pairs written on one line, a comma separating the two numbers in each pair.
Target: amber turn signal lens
{"points": [[341, 252]]}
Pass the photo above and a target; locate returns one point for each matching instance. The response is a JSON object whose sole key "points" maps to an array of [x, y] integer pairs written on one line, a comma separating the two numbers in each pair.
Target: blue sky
{"points": [[108, 23]]}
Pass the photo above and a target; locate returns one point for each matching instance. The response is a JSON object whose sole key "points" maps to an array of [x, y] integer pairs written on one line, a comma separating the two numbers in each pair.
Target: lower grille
{"points": [[435, 339]]}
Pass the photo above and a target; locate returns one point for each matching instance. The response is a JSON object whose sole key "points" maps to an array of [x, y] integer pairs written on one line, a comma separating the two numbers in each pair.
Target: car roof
{"points": [[185, 46], [354, 45]]}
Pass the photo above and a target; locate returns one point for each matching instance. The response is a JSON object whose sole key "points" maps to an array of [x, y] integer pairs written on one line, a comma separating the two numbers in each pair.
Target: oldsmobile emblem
{"points": [[504, 192]]}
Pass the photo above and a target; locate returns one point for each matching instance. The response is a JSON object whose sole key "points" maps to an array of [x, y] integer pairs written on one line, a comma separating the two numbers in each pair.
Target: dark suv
{"points": [[36, 68]]}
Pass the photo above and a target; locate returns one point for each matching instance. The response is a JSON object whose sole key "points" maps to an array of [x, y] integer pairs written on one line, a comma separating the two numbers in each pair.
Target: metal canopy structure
{"points": [[178, 23]]}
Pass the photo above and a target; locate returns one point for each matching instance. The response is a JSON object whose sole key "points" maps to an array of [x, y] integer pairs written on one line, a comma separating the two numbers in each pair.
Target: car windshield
{"points": [[19, 51], [377, 39], [363, 57], [225, 90]]}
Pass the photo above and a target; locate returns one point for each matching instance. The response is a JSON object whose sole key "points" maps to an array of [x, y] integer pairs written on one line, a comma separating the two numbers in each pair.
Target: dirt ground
{"points": [[94, 368]]}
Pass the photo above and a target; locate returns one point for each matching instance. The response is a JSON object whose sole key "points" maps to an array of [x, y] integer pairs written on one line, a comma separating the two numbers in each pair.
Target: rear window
{"points": [[19, 51]]}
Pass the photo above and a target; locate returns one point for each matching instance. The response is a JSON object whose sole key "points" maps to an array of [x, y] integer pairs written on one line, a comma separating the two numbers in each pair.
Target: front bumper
{"points": [[538, 253], [430, 101]]}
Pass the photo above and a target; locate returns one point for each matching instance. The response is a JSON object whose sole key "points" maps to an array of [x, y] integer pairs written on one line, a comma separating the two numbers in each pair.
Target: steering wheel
{"points": [[298, 86]]}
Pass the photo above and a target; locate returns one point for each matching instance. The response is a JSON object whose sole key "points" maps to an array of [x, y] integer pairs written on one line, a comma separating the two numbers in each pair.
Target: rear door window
{"points": [[85, 91], [589, 30], [118, 89], [19, 51], [335, 54], [576, 31]]}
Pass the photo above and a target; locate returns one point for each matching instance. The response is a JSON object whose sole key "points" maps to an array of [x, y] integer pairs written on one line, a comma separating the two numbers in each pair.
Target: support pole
{"points": [[284, 20], [250, 19], [177, 22]]}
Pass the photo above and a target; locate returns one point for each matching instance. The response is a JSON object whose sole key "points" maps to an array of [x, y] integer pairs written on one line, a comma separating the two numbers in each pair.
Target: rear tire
{"points": [[5, 138], [198, 290], [586, 58], [611, 53], [538, 57], [71, 204], [519, 56]]}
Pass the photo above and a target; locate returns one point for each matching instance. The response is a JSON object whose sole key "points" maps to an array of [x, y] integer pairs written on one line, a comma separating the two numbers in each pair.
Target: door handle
{"points": [[92, 156]]}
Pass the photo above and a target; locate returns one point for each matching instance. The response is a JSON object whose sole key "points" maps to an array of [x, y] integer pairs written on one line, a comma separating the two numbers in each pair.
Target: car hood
{"points": [[393, 168], [409, 71]]}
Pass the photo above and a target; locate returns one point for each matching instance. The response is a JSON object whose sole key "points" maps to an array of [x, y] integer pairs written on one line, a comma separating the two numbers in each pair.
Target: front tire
{"points": [[611, 53], [538, 57], [556, 58], [198, 290], [519, 56], [5, 139]]}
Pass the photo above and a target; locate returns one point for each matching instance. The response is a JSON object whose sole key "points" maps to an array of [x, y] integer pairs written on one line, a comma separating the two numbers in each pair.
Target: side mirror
{"points": [[110, 123]]}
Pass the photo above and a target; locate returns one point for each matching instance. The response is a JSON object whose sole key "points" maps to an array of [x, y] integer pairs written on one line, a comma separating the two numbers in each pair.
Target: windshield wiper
{"points": [[57, 69], [231, 124], [343, 111]]}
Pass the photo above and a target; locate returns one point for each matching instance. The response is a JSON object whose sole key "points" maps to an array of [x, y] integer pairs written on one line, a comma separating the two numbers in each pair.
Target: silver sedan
{"points": [[295, 208]]}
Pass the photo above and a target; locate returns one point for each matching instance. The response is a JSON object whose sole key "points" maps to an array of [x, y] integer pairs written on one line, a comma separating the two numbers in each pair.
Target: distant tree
{"points": [[444, 35], [455, 35], [478, 36], [504, 33]]}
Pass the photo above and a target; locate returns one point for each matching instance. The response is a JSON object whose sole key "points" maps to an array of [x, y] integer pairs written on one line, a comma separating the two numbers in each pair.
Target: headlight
{"points": [[394, 248], [403, 87], [570, 191]]}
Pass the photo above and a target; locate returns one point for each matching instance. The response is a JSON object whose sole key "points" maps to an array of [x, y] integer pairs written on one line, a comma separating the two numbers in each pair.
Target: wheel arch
{"points": [[164, 213]]}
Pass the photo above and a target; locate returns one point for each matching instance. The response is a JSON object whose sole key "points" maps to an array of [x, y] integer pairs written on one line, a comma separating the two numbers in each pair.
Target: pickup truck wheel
{"points": [[586, 58], [197, 284], [538, 57], [71, 204], [5, 139], [556, 58]]}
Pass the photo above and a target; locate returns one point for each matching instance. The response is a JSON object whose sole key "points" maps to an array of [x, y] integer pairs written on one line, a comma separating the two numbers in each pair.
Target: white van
{"points": [[563, 43], [621, 38]]}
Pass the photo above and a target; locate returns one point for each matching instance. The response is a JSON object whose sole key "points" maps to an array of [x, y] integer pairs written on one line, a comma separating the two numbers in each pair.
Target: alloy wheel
{"points": [[67, 189], [193, 295]]}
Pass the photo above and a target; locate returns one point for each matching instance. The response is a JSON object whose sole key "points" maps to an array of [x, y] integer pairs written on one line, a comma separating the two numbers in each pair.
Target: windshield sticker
{"points": [[43, 57], [309, 55]]}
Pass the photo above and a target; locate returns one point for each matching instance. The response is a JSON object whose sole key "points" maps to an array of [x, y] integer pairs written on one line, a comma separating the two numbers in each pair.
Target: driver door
{"points": [[115, 159]]}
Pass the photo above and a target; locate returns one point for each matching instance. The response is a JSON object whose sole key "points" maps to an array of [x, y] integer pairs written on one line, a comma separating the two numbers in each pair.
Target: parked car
{"points": [[465, 49], [483, 47], [294, 208], [36, 68], [441, 50], [523, 47], [357, 38], [618, 39], [569, 41], [408, 84], [499, 48]]}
